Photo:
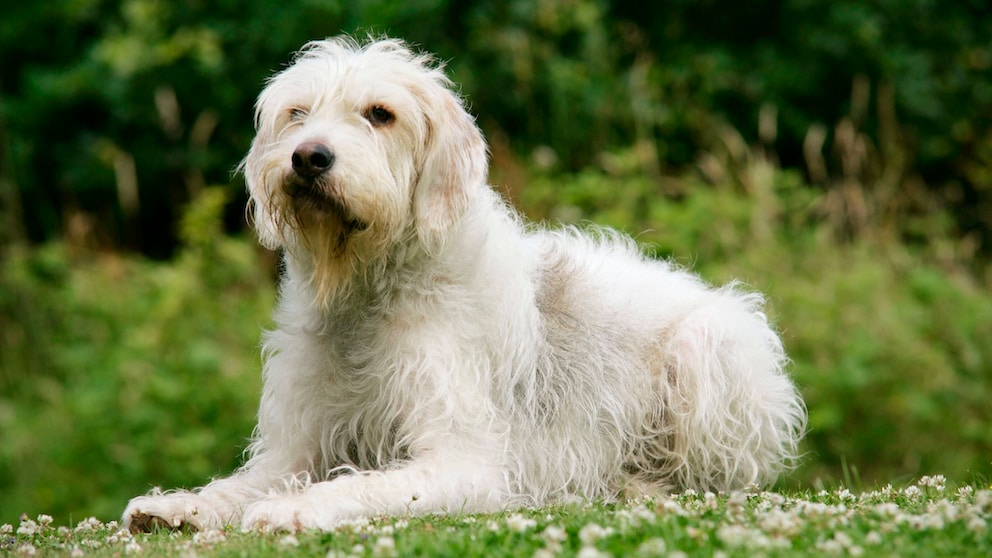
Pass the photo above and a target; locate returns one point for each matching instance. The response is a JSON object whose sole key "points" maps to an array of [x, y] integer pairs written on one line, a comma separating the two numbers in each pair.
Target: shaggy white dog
{"points": [[433, 354]]}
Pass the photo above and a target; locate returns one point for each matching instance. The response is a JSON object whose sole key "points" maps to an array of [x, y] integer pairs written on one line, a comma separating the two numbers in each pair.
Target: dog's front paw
{"points": [[290, 514], [178, 511]]}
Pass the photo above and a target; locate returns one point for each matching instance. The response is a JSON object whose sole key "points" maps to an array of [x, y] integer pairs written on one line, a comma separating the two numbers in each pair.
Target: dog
{"points": [[433, 354]]}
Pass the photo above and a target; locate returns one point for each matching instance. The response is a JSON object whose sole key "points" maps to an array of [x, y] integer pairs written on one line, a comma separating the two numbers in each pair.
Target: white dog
{"points": [[434, 355]]}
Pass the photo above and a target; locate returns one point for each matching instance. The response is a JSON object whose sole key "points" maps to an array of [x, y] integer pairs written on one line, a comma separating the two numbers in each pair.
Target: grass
{"points": [[926, 518]]}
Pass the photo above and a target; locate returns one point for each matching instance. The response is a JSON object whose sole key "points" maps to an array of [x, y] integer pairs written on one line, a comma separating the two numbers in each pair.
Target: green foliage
{"points": [[117, 373], [141, 102]]}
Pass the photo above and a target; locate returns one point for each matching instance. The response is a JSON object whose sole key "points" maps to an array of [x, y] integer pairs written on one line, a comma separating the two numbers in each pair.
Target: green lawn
{"points": [[926, 518]]}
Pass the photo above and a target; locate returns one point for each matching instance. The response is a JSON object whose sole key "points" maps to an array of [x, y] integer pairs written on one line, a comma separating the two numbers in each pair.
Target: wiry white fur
{"points": [[446, 358]]}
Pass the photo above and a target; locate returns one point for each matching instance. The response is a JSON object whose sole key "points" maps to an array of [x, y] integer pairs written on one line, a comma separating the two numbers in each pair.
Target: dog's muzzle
{"points": [[307, 185]]}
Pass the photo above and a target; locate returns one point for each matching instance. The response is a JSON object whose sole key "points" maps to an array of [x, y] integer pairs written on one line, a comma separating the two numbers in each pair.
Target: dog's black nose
{"points": [[311, 159]]}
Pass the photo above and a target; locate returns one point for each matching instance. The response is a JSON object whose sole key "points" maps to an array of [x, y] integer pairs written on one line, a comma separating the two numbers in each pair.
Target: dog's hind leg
{"points": [[732, 416]]}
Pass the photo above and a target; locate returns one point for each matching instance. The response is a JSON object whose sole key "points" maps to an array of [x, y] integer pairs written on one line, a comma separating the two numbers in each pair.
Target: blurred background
{"points": [[836, 155]]}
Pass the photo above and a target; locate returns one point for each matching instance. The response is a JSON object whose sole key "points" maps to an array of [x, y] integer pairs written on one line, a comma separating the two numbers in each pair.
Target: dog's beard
{"points": [[324, 229], [313, 210]]}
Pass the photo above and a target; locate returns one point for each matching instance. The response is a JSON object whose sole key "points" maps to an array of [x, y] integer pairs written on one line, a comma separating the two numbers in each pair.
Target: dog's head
{"points": [[359, 147]]}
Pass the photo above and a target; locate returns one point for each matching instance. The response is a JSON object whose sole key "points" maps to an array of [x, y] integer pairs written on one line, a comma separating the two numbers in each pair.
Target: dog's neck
{"points": [[370, 287]]}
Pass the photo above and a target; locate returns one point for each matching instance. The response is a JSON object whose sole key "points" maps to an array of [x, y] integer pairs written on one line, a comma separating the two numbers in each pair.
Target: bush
{"points": [[120, 373], [147, 100]]}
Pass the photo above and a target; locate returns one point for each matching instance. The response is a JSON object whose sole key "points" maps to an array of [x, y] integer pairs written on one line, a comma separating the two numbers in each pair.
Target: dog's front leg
{"points": [[435, 483]]}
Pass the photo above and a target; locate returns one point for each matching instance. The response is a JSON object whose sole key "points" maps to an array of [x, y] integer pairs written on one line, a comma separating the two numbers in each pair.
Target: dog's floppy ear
{"points": [[454, 166], [262, 214]]}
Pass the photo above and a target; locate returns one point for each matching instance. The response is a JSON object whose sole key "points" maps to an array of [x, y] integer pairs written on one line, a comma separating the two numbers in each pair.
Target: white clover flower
{"points": [[845, 495], [26, 549], [926, 521], [28, 528], [830, 546], [643, 514], [209, 537], [912, 492], [778, 522], [356, 524], [592, 552], [624, 517], [6, 529], [773, 498], [119, 536], [76, 552], [983, 499], [873, 538], [946, 509], [843, 538], [937, 482], [737, 503], [132, 547], [654, 546], [887, 509], [289, 540], [834, 515], [518, 523], [870, 496], [672, 506], [711, 501], [841, 542], [384, 546], [891, 526], [965, 492], [733, 535], [591, 533], [45, 520], [696, 534], [760, 541], [780, 542], [977, 525], [554, 534]]}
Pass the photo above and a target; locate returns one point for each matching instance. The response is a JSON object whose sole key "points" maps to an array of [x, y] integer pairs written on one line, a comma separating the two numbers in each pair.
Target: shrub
{"points": [[119, 373]]}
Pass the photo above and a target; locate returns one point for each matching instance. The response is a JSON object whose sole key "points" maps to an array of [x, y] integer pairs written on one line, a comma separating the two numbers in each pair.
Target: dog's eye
{"points": [[298, 113], [379, 115]]}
